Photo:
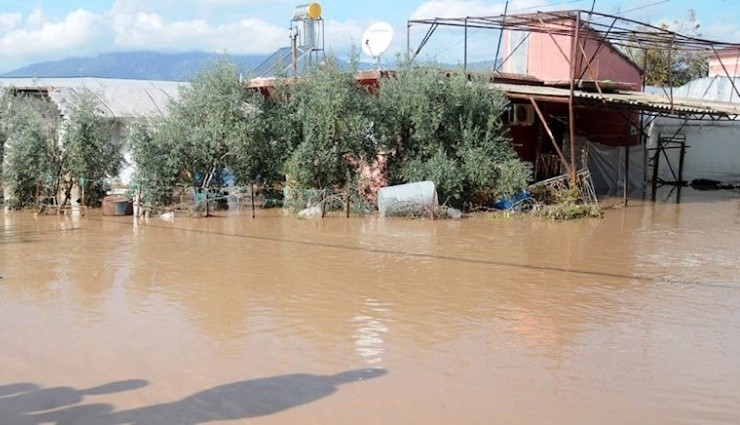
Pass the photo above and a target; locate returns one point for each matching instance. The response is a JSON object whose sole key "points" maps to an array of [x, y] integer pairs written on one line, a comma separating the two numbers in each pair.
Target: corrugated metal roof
{"points": [[121, 98], [640, 101]]}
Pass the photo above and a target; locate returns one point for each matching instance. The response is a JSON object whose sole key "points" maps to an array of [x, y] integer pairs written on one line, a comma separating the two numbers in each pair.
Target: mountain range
{"points": [[133, 65], [163, 66]]}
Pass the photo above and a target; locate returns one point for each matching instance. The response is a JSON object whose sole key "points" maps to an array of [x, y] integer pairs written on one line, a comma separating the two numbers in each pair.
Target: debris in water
{"points": [[311, 212], [168, 216], [454, 213]]}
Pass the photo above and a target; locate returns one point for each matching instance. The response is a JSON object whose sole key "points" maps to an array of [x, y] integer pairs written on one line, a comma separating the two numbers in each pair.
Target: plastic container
{"points": [[407, 199]]}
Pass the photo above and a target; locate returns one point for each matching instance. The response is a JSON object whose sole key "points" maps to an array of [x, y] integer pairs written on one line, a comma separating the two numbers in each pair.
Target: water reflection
{"points": [[484, 313], [371, 331]]}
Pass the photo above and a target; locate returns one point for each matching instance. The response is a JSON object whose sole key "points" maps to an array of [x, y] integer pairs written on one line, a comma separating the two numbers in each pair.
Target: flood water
{"points": [[633, 318]]}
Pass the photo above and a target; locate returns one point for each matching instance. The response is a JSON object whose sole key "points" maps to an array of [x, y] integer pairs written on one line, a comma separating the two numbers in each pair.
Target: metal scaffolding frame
{"points": [[608, 30]]}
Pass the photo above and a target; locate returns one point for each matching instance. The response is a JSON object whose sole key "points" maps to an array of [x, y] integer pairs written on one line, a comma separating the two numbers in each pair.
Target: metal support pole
{"points": [[465, 49], [681, 157], [294, 52], [408, 41], [626, 173], [732, 79], [554, 41], [571, 108], [594, 77], [500, 37], [602, 42], [670, 72], [549, 133], [656, 163]]}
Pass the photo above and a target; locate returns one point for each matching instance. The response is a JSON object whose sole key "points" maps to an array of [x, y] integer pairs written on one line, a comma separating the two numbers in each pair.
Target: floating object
{"points": [[454, 213], [521, 201], [411, 199], [168, 216], [117, 205], [311, 212]]}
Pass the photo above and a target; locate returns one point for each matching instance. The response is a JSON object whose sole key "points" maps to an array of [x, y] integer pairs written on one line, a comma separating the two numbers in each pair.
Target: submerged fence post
{"points": [[434, 201], [205, 191], [251, 198], [347, 203]]}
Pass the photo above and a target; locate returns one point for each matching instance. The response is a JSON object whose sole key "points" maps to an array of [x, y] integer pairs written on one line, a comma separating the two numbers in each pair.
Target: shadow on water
{"points": [[29, 404]]}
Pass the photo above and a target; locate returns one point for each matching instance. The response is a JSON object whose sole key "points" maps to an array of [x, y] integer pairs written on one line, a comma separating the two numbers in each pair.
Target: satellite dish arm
{"points": [[369, 48]]}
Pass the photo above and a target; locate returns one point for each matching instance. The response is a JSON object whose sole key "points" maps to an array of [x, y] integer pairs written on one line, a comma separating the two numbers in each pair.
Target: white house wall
{"points": [[713, 149]]}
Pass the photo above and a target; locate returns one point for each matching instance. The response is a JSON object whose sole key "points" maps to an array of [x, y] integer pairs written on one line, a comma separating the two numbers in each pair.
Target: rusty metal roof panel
{"points": [[629, 99]]}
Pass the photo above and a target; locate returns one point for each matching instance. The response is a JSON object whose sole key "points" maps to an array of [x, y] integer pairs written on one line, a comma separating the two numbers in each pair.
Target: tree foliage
{"points": [[672, 65], [323, 131], [332, 116], [44, 152], [90, 151], [449, 130], [32, 160], [211, 130]]}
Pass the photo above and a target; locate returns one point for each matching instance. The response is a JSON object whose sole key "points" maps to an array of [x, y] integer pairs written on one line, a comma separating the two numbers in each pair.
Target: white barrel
{"points": [[407, 199]]}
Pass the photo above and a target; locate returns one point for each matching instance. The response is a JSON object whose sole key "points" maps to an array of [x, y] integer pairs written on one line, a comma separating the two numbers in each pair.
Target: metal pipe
{"points": [[681, 157], [549, 133], [555, 42], [732, 80], [465, 49], [590, 71], [408, 41], [571, 108], [602, 42], [500, 36], [626, 171], [294, 52]]}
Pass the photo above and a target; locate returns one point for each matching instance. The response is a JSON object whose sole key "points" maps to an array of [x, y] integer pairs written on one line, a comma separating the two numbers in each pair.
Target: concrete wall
{"points": [[713, 153]]}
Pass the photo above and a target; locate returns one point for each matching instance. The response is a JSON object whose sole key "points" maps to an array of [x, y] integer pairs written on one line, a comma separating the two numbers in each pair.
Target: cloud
{"points": [[722, 32], [140, 25], [243, 2], [150, 31], [463, 8], [9, 21], [340, 35], [41, 39]]}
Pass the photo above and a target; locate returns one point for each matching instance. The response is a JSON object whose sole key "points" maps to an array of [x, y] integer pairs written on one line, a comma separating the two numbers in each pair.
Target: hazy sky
{"points": [[32, 31]]}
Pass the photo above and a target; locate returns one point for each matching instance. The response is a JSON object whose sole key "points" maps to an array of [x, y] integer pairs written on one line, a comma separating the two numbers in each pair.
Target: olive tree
{"points": [[449, 129], [332, 115], [90, 151], [214, 126], [32, 165]]}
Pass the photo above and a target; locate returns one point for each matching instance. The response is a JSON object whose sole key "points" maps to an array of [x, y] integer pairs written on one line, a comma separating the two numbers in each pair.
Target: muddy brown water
{"points": [[634, 318]]}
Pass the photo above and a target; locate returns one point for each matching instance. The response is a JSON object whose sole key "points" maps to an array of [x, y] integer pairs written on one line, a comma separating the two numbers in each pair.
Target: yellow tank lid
{"points": [[314, 11]]}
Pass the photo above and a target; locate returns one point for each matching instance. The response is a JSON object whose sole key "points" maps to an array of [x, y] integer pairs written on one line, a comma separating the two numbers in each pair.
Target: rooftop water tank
{"points": [[307, 11]]}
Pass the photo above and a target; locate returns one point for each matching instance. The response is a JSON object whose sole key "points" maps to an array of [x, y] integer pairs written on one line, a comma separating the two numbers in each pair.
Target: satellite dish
{"points": [[377, 39]]}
